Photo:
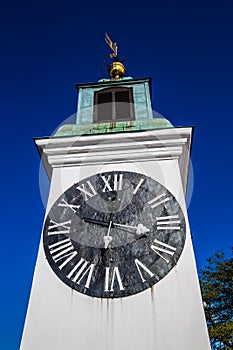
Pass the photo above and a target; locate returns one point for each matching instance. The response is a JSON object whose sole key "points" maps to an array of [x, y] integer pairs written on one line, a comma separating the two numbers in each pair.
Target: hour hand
{"points": [[96, 222]]}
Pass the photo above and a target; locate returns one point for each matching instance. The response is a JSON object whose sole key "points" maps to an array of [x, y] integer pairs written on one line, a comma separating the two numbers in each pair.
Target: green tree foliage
{"points": [[217, 292]]}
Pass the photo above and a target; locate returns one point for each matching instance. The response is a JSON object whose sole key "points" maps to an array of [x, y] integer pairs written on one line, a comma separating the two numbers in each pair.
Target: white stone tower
{"points": [[115, 267]]}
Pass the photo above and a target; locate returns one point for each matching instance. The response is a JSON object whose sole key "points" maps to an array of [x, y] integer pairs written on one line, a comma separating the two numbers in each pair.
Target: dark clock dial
{"points": [[114, 234]]}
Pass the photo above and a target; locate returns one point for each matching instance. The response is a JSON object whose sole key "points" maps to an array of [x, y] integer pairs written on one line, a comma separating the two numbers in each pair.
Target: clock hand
{"points": [[140, 228], [108, 238], [97, 222]]}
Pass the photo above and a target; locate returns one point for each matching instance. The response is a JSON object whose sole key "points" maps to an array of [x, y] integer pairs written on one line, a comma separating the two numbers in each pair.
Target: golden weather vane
{"points": [[112, 46], [116, 69]]}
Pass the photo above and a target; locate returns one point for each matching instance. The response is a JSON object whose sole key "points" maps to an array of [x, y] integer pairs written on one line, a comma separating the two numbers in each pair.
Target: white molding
{"points": [[140, 146]]}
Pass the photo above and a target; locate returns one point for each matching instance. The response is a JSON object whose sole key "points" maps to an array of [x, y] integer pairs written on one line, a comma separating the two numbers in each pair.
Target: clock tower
{"points": [[115, 266]]}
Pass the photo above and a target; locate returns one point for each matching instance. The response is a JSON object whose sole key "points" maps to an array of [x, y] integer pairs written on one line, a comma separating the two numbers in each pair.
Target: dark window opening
{"points": [[104, 102], [114, 104]]}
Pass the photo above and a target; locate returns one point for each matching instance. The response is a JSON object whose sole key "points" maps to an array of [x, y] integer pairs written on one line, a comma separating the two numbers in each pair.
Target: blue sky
{"points": [[47, 47]]}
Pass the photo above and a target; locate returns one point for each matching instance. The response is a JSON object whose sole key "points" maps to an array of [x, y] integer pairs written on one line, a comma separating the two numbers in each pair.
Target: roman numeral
{"points": [[163, 249], [80, 270], [171, 222], [158, 200], [62, 249], [56, 228], [117, 183], [140, 266], [115, 275], [138, 185], [87, 189], [64, 203]]}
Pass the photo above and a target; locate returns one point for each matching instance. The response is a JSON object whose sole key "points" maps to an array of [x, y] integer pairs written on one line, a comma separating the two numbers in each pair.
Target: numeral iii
{"points": [[171, 222]]}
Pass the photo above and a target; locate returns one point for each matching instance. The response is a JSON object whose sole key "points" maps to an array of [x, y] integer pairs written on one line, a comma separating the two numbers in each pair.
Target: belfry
{"points": [[115, 267]]}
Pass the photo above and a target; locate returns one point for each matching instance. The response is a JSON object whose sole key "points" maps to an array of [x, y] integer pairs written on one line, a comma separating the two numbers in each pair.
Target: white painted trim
{"points": [[161, 144]]}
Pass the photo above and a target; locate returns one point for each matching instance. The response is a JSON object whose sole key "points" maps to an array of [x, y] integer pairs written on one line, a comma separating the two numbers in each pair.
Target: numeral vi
{"points": [[112, 278]]}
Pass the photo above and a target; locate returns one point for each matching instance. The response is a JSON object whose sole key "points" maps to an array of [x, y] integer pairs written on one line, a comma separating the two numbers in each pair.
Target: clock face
{"points": [[114, 234]]}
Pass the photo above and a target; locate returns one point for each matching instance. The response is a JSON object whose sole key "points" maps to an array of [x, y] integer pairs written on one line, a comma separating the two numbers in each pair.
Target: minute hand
{"points": [[140, 228]]}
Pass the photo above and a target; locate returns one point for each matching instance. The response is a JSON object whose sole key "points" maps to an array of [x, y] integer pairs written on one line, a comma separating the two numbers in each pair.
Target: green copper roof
{"points": [[89, 129]]}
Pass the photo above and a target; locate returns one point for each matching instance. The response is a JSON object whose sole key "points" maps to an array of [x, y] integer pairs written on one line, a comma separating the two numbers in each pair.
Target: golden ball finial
{"points": [[116, 70]]}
